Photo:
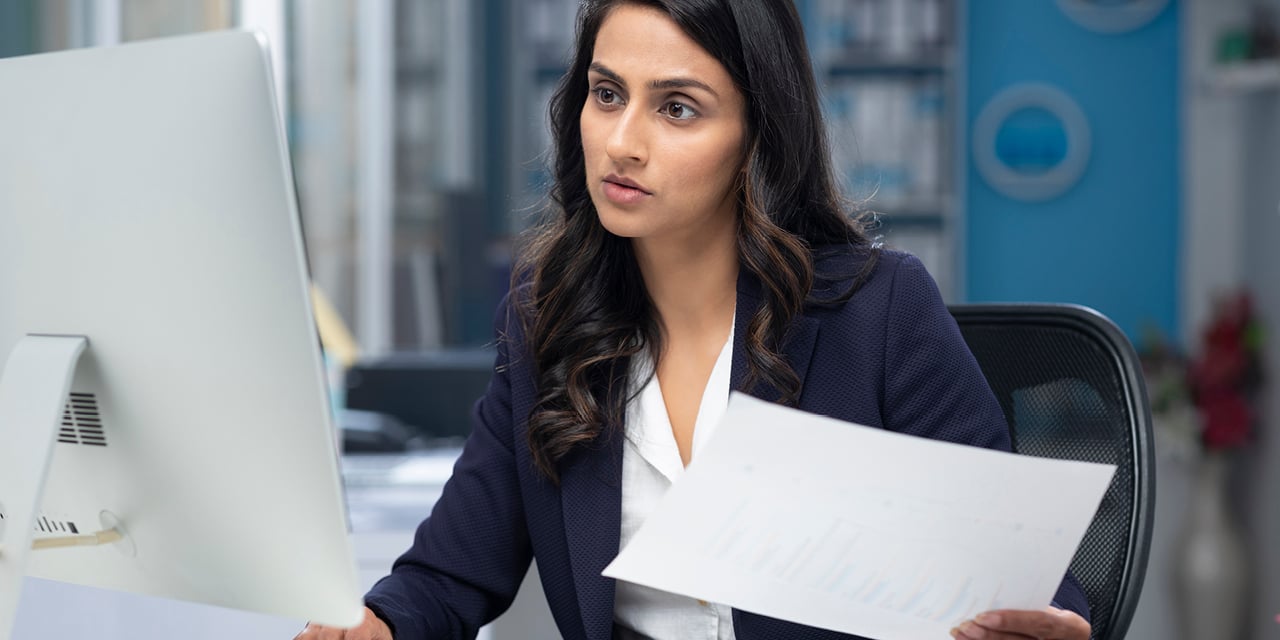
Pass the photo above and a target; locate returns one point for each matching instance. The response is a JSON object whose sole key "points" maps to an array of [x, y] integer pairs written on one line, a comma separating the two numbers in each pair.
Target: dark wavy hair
{"points": [[584, 307]]}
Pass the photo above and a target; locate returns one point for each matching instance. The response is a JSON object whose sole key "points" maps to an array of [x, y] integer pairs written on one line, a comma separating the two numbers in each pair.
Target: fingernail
{"points": [[955, 633], [988, 619], [972, 630]]}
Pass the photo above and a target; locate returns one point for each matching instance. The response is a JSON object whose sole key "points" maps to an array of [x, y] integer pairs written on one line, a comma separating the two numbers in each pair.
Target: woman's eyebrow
{"points": [[682, 83], [657, 85], [607, 73]]}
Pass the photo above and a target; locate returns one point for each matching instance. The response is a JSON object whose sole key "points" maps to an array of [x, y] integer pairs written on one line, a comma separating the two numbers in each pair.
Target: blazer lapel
{"points": [[797, 346], [591, 479], [591, 500]]}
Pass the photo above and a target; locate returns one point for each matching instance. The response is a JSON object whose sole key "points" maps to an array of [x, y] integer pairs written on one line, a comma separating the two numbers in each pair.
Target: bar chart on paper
{"points": [[869, 562]]}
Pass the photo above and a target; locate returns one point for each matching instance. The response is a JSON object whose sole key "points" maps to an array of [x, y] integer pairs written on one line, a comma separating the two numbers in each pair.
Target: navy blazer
{"points": [[890, 357]]}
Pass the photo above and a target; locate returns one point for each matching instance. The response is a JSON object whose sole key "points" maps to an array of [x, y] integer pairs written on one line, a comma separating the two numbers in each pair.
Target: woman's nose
{"points": [[627, 141]]}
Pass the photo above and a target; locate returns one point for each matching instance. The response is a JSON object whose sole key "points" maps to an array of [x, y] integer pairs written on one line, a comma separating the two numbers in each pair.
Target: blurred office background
{"points": [[1120, 154]]}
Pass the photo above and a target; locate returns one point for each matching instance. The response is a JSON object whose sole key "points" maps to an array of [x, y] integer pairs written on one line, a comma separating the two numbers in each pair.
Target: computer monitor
{"points": [[162, 376]]}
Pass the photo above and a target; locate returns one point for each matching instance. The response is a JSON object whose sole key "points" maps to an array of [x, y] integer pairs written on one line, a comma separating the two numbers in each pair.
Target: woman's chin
{"points": [[624, 224]]}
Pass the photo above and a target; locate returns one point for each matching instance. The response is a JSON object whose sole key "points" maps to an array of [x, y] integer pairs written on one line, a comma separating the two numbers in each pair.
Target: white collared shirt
{"points": [[650, 464]]}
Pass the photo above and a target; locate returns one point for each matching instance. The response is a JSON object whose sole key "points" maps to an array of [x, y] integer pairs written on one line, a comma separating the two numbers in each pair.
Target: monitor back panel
{"points": [[146, 202]]}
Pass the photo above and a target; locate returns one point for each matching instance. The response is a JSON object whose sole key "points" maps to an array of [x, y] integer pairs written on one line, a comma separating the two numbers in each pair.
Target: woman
{"points": [[699, 246]]}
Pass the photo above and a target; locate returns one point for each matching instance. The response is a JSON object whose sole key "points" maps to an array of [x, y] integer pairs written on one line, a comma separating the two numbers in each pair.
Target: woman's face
{"points": [[663, 131]]}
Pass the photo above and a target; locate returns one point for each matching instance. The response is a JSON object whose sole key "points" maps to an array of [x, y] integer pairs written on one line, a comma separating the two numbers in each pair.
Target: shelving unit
{"points": [[1244, 78], [447, 215], [545, 30], [888, 72]]}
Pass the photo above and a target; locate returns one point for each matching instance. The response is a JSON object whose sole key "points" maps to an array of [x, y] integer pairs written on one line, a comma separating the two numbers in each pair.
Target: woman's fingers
{"points": [[371, 628], [1046, 624], [316, 632]]}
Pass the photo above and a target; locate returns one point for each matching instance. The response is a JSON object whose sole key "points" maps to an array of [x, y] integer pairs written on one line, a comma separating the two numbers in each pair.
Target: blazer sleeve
{"points": [[469, 557], [934, 387]]}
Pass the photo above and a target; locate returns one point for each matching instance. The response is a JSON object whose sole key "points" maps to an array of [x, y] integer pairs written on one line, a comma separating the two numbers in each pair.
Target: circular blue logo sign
{"points": [[1031, 142], [1112, 16]]}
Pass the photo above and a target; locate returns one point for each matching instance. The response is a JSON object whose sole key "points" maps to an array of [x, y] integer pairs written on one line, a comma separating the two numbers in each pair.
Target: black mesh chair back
{"points": [[1071, 387]]}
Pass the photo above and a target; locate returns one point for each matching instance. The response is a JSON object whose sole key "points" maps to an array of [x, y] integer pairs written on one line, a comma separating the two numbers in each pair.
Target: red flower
{"points": [[1222, 380]]}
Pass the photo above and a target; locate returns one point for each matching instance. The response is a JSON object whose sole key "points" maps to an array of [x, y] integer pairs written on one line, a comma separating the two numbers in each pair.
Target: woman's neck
{"points": [[693, 287]]}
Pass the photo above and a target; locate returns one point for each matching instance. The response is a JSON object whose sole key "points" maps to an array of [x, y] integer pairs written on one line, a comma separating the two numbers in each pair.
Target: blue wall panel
{"points": [[1111, 241]]}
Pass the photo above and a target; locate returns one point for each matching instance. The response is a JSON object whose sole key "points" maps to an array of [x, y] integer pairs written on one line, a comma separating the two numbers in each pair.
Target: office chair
{"points": [[1071, 387]]}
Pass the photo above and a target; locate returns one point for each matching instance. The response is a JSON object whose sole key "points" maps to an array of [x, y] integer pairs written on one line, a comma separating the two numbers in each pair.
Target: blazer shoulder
{"points": [[874, 274], [844, 261]]}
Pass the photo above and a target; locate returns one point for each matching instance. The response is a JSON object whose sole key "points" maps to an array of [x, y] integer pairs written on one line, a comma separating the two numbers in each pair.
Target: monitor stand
{"points": [[33, 394]]}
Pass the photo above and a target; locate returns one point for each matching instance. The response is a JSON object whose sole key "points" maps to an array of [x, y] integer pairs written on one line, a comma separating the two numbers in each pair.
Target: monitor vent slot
{"points": [[82, 422], [45, 525]]}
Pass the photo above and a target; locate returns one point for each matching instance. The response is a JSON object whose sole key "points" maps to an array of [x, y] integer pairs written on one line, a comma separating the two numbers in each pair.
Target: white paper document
{"points": [[861, 530]]}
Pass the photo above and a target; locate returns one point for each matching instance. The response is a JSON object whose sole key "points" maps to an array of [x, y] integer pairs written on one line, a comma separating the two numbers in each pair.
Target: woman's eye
{"points": [[678, 111], [605, 96]]}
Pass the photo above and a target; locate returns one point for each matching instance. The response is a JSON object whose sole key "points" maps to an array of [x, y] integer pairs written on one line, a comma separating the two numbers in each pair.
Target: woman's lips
{"points": [[623, 194]]}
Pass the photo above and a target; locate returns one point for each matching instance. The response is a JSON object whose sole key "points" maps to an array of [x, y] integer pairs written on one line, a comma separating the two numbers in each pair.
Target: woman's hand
{"points": [[372, 628], [1049, 623]]}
